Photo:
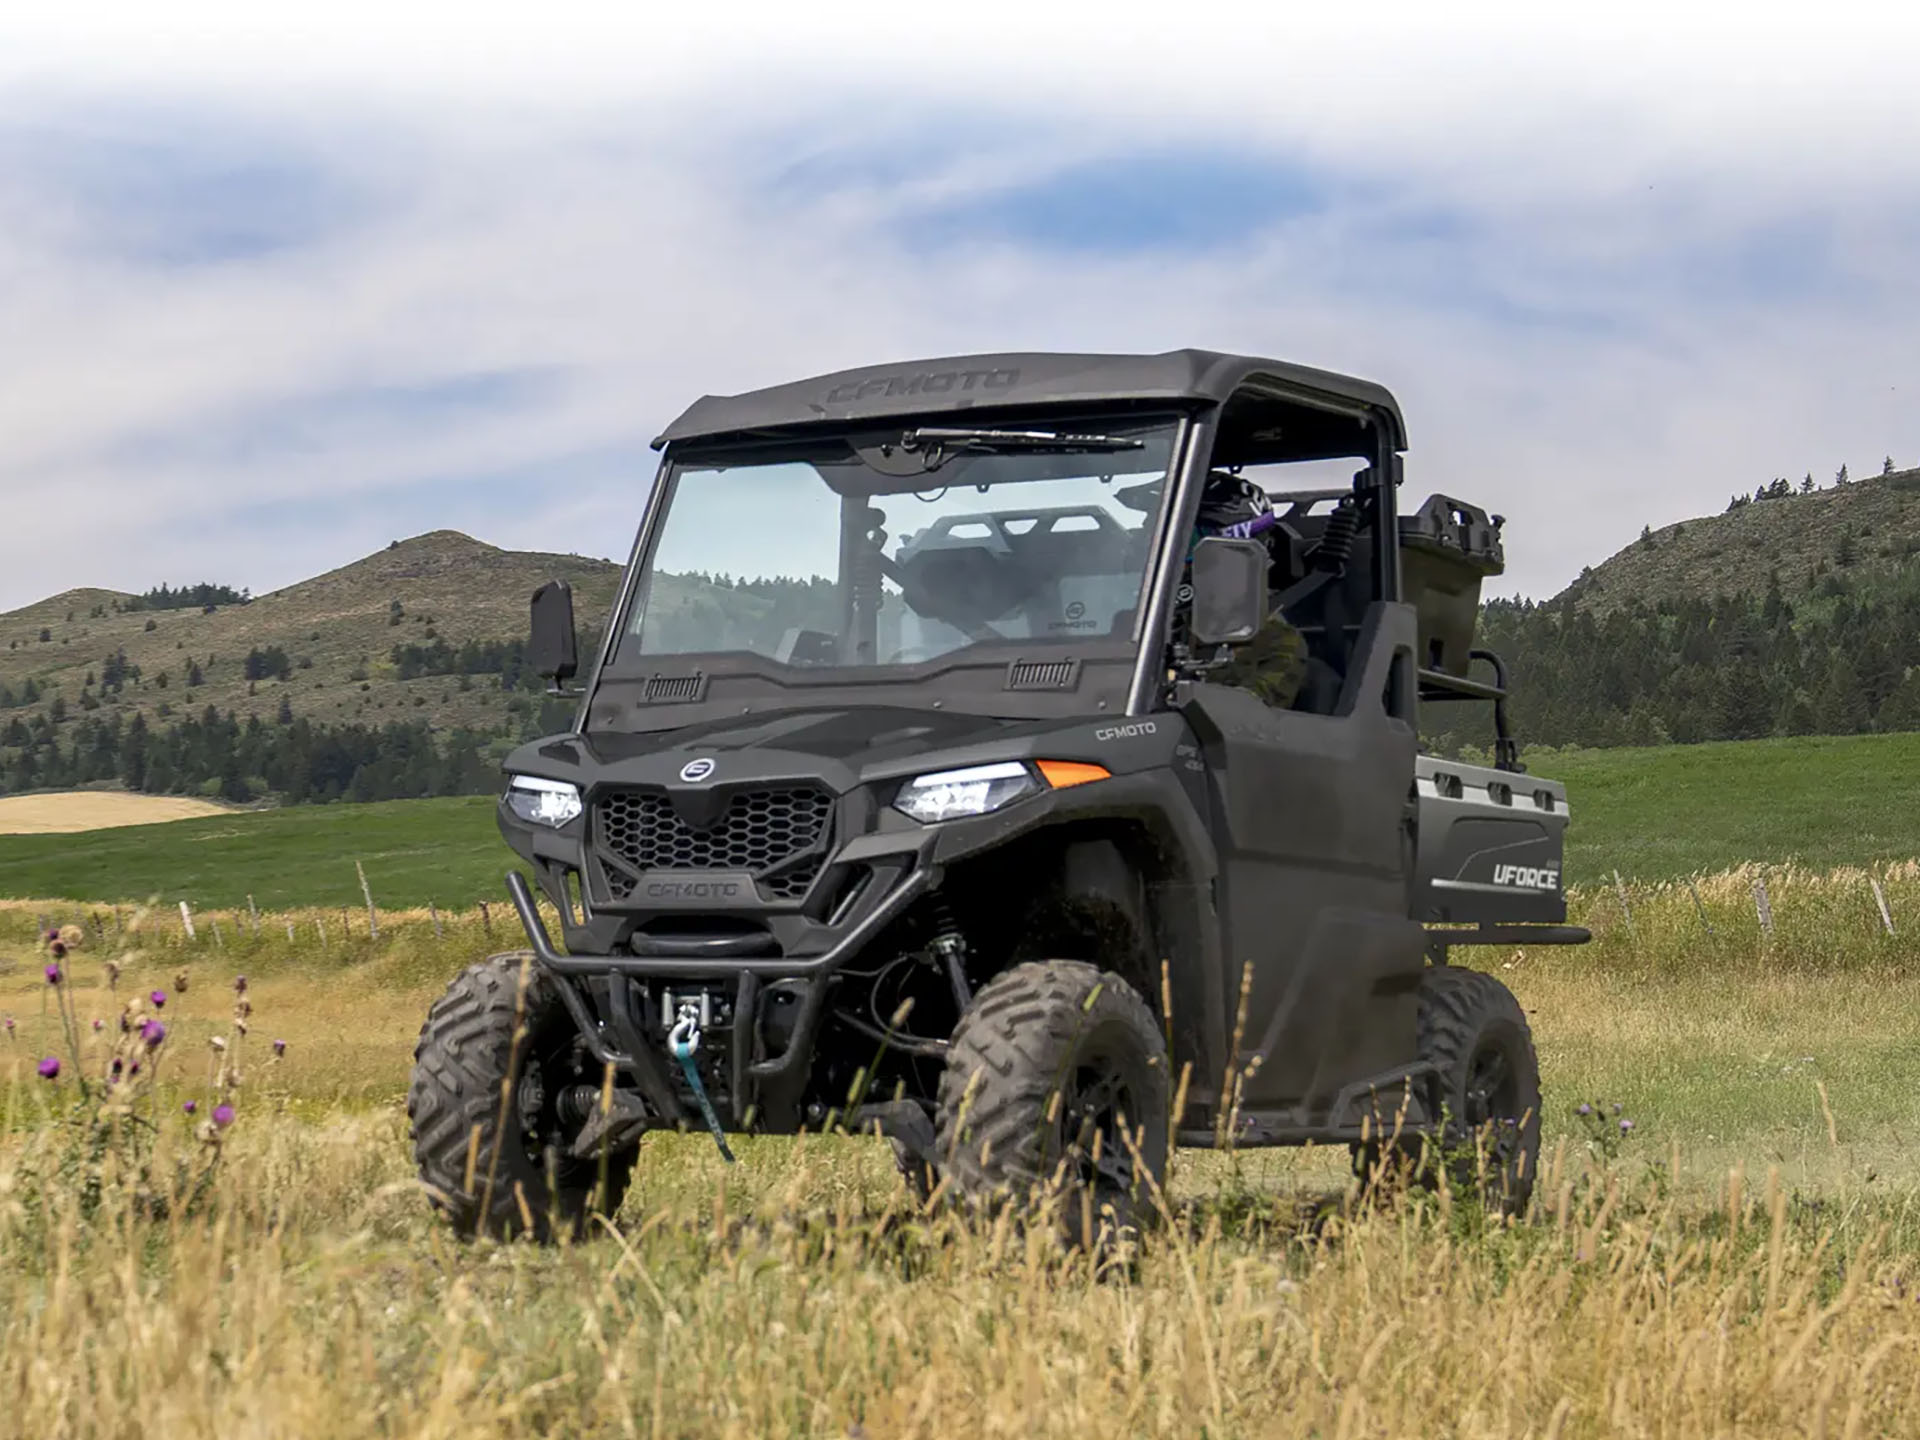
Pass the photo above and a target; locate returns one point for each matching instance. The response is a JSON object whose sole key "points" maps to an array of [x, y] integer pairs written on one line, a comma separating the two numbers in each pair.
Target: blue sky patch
{"points": [[168, 193], [1193, 200], [346, 416]]}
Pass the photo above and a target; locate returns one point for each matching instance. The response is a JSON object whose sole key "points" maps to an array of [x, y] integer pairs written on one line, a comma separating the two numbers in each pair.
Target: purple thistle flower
{"points": [[239, 984], [115, 1072], [153, 1032], [1625, 1126], [59, 949], [133, 1069], [98, 1024], [159, 999], [52, 935], [53, 974], [1585, 1109], [9, 1024], [191, 1106], [50, 1068], [279, 1047], [222, 1116]]}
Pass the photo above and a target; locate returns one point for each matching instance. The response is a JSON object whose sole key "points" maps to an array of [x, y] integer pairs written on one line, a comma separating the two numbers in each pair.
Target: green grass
{"points": [[1667, 812], [447, 851], [1651, 814]]}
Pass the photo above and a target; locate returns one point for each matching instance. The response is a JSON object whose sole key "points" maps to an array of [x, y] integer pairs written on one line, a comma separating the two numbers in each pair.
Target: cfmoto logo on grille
{"points": [[694, 771]]}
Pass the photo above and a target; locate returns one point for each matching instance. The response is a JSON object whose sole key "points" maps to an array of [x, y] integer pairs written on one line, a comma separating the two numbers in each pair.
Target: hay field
{"points": [[72, 811], [1744, 1262]]}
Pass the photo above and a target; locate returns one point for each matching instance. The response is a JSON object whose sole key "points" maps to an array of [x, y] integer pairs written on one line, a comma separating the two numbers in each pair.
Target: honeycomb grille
{"points": [[775, 835]]}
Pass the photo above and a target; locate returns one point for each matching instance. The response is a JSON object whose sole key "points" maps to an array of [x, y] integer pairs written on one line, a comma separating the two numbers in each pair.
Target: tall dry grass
{"points": [[804, 1296], [1743, 1263]]}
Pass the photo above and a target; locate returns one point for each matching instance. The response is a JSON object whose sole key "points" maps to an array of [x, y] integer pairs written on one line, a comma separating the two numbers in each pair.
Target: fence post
{"points": [[373, 921], [434, 911], [346, 930], [320, 924], [218, 939], [254, 912], [486, 918], [1699, 909], [186, 919], [1880, 899], [1620, 889], [1763, 907], [289, 932]]}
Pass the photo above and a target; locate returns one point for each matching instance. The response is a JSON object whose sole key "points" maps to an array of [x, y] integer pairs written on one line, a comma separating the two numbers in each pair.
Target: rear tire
{"points": [[1065, 1029], [464, 1055], [1488, 1082]]}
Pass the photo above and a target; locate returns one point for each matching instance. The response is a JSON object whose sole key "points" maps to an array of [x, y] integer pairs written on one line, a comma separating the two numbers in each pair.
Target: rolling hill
{"points": [[338, 631], [1868, 527]]}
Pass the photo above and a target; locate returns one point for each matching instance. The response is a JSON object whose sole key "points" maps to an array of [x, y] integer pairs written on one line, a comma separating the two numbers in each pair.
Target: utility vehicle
{"points": [[905, 794]]}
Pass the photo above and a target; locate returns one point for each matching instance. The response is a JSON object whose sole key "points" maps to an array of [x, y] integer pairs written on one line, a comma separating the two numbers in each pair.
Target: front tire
{"points": [[465, 1055], [1057, 1075]]}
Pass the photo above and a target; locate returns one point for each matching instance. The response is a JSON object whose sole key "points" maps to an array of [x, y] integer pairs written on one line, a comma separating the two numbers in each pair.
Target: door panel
{"points": [[1311, 819]]}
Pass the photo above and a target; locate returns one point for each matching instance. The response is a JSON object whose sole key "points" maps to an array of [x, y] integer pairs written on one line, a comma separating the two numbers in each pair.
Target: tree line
{"points": [[1841, 660], [187, 597], [220, 756]]}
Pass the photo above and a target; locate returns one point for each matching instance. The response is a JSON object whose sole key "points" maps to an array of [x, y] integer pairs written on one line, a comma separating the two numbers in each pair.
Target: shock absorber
{"points": [[866, 586], [950, 946], [1336, 540]]}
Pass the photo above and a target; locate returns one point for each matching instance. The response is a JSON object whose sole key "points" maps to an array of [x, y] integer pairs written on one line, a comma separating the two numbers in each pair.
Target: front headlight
{"points": [[544, 802], [954, 794]]}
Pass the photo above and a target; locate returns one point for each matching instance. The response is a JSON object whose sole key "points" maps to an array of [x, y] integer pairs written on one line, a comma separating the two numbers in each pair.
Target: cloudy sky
{"points": [[276, 291]]}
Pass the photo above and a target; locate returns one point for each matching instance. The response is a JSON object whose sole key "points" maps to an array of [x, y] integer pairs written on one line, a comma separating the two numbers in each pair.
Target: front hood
{"points": [[842, 747]]}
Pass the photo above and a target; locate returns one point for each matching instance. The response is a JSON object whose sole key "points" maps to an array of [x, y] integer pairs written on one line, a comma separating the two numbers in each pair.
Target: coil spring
{"points": [[1336, 541]]}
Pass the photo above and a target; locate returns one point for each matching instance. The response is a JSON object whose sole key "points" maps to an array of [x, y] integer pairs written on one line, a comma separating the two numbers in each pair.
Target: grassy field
{"points": [[1651, 814], [415, 851], [1678, 809], [1744, 1262]]}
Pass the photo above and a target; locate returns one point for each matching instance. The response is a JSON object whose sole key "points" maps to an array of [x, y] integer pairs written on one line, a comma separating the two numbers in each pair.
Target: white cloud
{"points": [[587, 201]]}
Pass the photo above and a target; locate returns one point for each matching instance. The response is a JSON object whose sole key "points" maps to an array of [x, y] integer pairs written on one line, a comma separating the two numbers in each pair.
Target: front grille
{"points": [[777, 835]]}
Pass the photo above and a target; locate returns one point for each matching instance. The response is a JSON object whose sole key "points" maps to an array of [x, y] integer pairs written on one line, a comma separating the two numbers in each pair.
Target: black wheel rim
{"points": [[546, 1070], [1098, 1106], [1493, 1087], [1493, 1102]]}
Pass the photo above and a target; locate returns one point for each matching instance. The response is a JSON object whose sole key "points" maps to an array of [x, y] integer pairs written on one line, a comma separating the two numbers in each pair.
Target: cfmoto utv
{"points": [[993, 752]]}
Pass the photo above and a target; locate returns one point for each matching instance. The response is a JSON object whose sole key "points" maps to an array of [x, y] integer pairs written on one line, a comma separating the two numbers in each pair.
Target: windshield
{"points": [[901, 548]]}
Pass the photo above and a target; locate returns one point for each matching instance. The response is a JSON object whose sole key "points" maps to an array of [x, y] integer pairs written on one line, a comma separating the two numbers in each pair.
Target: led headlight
{"points": [[952, 794], [544, 802]]}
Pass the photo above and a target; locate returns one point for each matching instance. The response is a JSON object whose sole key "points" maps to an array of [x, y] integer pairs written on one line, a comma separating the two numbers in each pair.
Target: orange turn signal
{"points": [[1062, 773]]}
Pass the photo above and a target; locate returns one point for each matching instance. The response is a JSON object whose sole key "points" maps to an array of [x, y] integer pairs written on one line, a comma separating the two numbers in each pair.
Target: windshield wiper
{"points": [[939, 442]]}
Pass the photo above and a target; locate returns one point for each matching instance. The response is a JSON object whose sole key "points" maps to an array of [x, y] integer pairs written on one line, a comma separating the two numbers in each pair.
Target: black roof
{"points": [[920, 387]]}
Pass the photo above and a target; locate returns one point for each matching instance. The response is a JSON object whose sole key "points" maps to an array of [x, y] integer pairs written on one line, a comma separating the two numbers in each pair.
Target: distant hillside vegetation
{"points": [[1794, 613], [401, 674], [1866, 526], [325, 646]]}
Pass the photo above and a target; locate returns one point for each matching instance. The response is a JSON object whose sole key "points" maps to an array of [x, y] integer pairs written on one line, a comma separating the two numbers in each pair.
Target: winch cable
{"points": [[683, 1043]]}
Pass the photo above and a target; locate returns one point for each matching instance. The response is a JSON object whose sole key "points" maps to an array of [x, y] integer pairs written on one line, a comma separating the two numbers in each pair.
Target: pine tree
{"points": [[1842, 707]]}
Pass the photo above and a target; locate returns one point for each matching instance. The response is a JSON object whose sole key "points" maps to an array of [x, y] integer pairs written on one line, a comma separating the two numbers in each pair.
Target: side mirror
{"points": [[552, 652], [1229, 590]]}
